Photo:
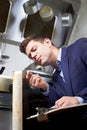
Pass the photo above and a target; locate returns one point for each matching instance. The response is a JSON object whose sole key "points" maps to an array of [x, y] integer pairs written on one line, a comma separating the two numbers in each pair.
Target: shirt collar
{"points": [[59, 55], [59, 58]]}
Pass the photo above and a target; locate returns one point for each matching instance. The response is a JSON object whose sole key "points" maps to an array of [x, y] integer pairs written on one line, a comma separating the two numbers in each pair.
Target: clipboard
{"points": [[45, 114]]}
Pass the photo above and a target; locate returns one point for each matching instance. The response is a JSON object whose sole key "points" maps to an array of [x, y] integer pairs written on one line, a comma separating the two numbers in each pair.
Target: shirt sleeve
{"points": [[46, 92], [80, 99]]}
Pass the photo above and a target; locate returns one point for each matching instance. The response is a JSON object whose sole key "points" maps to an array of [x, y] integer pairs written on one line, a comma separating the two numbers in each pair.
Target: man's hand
{"points": [[66, 101], [36, 81]]}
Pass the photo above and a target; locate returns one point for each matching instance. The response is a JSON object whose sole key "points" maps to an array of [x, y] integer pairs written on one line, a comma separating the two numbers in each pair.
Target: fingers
{"points": [[59, 103], [33, 79], [66, 101], [62, 102], [29, 74]]}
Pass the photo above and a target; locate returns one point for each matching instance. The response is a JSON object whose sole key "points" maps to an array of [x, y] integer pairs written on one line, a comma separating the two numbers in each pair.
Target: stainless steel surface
{"points": [[46, 76], [35, 24], [30, 7], [66, 19], [5, 119], [46, 71], [46, 13], [15, 27], [5, 111], [5, 82]]}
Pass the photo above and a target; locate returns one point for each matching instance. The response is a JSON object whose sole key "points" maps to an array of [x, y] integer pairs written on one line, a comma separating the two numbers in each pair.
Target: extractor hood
{"points": [[17, 25]]}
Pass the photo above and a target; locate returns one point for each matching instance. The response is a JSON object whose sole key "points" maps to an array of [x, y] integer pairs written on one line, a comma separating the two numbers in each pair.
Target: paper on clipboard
{"points": [[54, 110]]}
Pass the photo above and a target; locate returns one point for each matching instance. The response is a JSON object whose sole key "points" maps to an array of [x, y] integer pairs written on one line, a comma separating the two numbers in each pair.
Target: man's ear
{"points": [[47, 41]]}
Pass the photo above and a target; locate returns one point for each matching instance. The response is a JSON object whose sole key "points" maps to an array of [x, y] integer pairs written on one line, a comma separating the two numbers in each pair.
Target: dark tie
{"points": [[59, 66], [60, 70]]}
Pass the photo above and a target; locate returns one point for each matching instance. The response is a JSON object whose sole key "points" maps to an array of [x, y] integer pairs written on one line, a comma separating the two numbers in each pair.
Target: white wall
{"points": [[17, 60]]}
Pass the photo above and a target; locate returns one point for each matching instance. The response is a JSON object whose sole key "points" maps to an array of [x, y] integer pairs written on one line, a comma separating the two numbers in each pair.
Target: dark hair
{"points": [[24, 43]]}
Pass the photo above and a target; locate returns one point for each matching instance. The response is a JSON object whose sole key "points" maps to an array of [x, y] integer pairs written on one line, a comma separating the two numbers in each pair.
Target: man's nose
{"points": [[33, 55]]}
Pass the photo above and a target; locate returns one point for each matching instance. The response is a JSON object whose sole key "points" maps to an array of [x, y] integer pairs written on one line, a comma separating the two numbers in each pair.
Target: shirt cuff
{"points": [[80, 99], [46, 92]]}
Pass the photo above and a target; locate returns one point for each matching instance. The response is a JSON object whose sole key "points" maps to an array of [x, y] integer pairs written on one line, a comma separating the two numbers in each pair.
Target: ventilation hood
{"points": [[16, 24]]}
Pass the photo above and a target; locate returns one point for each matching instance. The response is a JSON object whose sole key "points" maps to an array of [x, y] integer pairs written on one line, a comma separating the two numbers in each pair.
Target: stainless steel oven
{"points": [[5, 111]]}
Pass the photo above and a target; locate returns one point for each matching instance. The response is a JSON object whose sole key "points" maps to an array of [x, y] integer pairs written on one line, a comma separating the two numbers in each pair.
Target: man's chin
{"points": [[42, 63]]}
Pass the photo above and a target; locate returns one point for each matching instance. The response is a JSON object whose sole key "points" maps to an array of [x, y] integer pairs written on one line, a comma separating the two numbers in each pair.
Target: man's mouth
{"points": [[38, 60]]}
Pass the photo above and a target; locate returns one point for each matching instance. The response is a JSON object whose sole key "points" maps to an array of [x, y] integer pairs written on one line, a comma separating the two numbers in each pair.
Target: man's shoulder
{"points": [[80, 42]]}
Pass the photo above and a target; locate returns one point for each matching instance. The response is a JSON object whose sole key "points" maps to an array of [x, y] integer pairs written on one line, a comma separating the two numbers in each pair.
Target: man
{"points": [[69, 82]]}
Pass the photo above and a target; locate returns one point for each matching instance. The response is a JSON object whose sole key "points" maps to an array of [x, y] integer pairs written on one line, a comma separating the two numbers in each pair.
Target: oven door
{"points": [[5, 118], [5, 111]]}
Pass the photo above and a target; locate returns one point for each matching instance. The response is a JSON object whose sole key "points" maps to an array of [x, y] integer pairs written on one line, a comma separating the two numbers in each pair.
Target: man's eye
{"points": [[34, 49]]}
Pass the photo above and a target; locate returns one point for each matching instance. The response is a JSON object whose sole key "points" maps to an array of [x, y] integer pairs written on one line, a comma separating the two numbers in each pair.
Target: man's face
{"points": [[39, 52]]}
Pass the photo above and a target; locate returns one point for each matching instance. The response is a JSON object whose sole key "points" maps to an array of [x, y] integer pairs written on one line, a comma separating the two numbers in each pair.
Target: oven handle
{"points": [[5, 107]]}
